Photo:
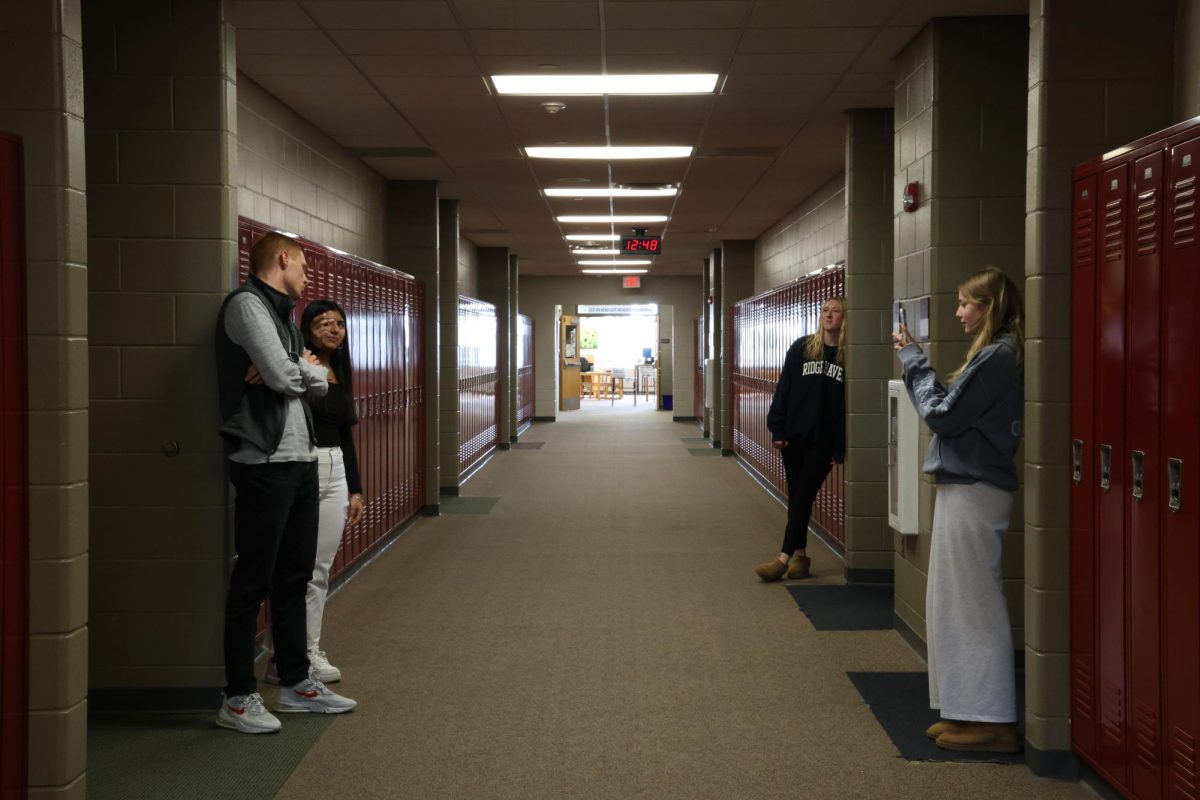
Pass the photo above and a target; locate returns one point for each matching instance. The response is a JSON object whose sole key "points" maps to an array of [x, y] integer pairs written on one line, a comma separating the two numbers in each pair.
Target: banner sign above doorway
{"points": [[642, 309]]}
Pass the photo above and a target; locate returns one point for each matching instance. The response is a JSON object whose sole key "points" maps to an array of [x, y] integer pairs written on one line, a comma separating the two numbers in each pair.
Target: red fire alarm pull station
{"points": [[911, 198], [631, 282]]}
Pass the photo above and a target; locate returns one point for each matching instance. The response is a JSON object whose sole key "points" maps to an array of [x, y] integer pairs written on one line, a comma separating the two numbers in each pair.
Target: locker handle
{"points": [[1139, 462], [1105, 467], [1077, 460], [1174, 484]]}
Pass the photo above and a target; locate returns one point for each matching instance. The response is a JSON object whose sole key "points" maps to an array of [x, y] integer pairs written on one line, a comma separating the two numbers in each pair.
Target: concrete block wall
{"points": [[45, 108], [449, 243], [412, 240], [959, 128], [811, 237], [294, 177], [468, 268], [160, 146], [869, 356], [1092, 86]]}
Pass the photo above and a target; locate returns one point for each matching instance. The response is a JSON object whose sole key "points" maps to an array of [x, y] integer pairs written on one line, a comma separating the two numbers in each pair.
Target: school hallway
{"points": [[590, 627]]}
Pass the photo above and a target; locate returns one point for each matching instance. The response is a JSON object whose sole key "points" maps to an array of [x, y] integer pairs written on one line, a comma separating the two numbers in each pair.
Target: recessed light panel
{"points": [[595, 251], [610, 153], [564, 85], [627, 218], [666, 191], [592, 237], [614, 271], [614, 263]]}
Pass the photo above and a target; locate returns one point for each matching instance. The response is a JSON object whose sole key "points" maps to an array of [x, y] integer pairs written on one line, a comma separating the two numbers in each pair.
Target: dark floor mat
{"points": [[187, 757], [851, 607], [900, 702], [704, 451], [527, 445], [468, 505]]}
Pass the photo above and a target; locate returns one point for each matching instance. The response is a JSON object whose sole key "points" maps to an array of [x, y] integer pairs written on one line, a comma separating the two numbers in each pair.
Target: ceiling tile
{"points": [[443, 86], [350, 85], [258, 65], [410, 169], [273, 15], [528, 14], [405, 66], [668, 62], [674, 14], [540, 63], [653, 42], [790, 63], [581, 123], [920, 12], [883, 49], [805, 40], [401, 42], [285, 42], [375, 15], [552, 43], [755, 127], [820, 13], [779, 84]]}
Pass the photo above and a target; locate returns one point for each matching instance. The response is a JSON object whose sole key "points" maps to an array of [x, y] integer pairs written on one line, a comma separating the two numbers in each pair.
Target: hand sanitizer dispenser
{"points": [[904, 462]]}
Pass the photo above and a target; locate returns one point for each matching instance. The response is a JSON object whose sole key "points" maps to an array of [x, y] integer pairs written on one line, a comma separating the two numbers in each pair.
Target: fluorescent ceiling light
{"points": [[592, 237], [614, 271], [596, 251], [610, 153], [563, 85], [666, 191], [602, 263], [629, 218]]}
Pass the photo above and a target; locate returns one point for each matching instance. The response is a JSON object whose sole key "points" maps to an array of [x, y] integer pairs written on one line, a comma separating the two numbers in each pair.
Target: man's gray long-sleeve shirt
{"points": [[976, 421], [248, 324]]}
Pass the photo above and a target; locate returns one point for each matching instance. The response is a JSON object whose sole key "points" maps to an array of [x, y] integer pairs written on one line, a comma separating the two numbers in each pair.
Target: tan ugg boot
{"points": [[941, 726], [799, 567], [983, 737], [771, 571]]}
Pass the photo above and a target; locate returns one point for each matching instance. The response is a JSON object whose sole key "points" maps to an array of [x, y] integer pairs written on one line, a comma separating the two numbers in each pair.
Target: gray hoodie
{"points": [[977, 420]]}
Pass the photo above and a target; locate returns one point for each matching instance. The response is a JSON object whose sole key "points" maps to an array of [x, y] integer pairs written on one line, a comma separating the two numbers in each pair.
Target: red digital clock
{"points": [[641, 245]]}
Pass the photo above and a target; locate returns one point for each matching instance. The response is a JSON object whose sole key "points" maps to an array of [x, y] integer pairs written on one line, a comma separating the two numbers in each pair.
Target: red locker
{"points": [[1180, 459], [1111, 600], [1083, 484], [1141, 458]]}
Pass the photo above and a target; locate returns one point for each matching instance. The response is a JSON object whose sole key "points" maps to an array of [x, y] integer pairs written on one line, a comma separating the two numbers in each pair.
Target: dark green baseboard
{"points": [[544, 419], [504, 446], [448, 491], [154, 698], [433, 510], [1061, 765], [683, 419], [859, 575], [725, 451]]}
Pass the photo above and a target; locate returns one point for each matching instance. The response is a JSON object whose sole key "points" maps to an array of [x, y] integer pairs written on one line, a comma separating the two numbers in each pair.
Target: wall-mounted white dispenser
{"points": [[904, 461]]}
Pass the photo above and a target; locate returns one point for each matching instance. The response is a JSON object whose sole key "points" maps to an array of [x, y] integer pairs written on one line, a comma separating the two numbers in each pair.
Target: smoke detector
{"points": [[553, 106]]}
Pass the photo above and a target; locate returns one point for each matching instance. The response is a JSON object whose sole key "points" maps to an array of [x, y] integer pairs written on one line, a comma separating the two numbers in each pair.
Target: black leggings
{"points": [[806, 466]]}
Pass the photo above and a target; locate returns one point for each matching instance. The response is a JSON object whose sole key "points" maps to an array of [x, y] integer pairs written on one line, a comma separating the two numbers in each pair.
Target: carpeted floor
{"points": [[600, 634]]}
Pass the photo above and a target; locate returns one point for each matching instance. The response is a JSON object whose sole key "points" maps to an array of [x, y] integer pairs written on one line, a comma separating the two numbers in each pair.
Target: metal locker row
{"points": [[764, 327], [525, 371], [1135, 382], [478, 382]]}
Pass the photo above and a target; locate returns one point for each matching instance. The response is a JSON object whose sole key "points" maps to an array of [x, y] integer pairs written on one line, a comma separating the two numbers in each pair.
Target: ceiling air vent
{"points": [[739, 152]]}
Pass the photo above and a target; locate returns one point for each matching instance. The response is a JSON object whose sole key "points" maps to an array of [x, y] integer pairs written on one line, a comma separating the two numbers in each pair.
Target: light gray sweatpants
{"points": [[969, 637]]}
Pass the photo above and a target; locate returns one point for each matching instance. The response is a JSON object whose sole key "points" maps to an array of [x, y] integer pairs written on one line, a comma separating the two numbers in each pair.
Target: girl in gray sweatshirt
{"points": [[976, 422]]}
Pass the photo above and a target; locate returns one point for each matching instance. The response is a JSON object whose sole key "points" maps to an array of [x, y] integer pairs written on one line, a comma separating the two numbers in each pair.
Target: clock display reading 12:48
{"points": [[641, 245]]}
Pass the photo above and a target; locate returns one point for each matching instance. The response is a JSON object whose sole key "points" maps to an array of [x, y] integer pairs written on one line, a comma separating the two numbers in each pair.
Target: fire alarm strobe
{"points": [[911, 199]]}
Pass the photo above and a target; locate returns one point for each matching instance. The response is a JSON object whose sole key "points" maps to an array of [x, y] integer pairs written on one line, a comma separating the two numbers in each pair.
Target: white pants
{"points": [[969, 637], [335, 499]]}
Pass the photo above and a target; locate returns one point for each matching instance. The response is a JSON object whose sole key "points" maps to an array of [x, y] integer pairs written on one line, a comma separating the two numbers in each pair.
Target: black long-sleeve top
{"points": [[331, 423], [809, 406]]}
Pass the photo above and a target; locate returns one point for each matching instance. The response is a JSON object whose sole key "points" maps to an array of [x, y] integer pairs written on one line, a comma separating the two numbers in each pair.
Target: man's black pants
{"points": [[805, 466], [275, 534]]}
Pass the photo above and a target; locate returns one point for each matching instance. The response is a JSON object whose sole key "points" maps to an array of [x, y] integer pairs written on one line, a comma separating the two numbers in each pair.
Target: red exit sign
{"points": [[631, 281]]}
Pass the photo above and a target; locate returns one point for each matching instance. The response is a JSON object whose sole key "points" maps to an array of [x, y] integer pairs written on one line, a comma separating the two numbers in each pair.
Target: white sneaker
{"points": [[312, 696], [245, 713], [322, 669]]}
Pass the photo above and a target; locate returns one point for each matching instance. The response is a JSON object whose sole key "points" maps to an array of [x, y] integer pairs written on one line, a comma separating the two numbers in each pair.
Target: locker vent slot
{"points": [[1183, 211], [1112, 713], [1147, 223], [1145, 735], [1182, 775], [1114, 231], [1083, 689], [1085, 231]]}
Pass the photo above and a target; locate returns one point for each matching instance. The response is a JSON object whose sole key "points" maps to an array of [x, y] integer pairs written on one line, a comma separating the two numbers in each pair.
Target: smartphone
{"points": [[903, 320]]}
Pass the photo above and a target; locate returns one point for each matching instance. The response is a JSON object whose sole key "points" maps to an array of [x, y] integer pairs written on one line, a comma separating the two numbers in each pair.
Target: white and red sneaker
{"points": [[245, 713], [312, 696]]}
